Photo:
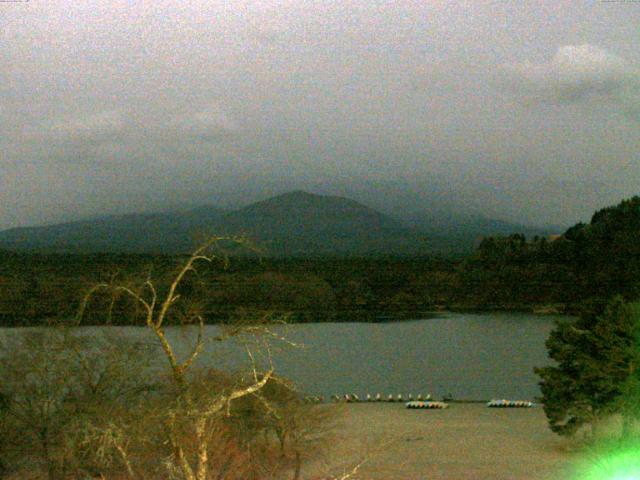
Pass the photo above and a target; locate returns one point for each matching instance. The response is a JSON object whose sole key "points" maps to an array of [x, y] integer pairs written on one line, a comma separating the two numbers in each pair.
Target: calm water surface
{"points": [[470, 356]]}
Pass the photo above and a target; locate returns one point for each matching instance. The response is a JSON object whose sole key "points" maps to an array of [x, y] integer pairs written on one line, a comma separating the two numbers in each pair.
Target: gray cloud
{"points": [[210, 123], [580, 73], [92, 127], [115, 105]]}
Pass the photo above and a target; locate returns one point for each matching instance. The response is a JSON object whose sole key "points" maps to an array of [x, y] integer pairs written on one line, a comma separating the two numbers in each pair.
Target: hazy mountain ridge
{"points": [[296, 223], [138, 232], [459, 223]]}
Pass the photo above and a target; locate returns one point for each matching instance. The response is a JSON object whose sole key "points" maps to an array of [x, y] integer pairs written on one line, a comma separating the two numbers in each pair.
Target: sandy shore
{"points": [[465, 441]]}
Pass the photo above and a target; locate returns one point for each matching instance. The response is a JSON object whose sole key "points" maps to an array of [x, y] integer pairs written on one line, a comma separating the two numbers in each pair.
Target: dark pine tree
{"points": [[596, 359]]}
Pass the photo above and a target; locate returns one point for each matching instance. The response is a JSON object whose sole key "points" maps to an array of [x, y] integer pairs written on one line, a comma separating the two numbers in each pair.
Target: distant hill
{"points": [[300, 223], [458, 233], [153, 232], [293, 224]]}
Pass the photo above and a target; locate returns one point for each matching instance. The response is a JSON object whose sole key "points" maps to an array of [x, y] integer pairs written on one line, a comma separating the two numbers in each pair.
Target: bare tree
{"points": [[201, 412], [57, 384]]}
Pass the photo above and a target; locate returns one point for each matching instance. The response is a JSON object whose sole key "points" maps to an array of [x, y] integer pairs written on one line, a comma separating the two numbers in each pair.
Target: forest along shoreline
{"points": [[37, 288]]}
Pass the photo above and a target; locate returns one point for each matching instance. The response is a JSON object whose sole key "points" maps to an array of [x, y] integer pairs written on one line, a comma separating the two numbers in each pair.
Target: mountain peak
{"points": [[292, 223], [294, 196], [298, 193], [304, 199]]}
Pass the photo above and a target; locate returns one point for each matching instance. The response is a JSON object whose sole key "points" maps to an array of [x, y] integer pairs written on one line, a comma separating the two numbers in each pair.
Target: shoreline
{"points": [[380, 317]]}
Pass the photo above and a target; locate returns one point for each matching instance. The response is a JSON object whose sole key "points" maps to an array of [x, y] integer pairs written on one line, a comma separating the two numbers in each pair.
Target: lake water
{"points": [[470, 356]]}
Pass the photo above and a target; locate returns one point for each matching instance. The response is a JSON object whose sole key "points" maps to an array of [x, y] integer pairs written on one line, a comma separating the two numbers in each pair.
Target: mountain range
{"points": [[292, 224]]}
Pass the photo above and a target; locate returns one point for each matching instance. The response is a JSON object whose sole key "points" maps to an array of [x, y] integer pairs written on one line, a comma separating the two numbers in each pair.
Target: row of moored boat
{"points": [[354, 398], [502, 403], [421, 401], [429, 404]]}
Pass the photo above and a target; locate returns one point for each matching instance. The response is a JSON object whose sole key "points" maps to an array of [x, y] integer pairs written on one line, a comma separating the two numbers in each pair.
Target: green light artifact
{"points": [[615, 464]]}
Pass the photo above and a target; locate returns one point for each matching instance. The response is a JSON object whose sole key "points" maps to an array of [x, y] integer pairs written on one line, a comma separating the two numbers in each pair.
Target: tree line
{"points": [[587, 263], [596, 376], [36, 289]]}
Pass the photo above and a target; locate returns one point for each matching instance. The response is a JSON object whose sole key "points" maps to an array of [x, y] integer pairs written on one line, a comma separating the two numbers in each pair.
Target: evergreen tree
{"points": [[597, 359]]}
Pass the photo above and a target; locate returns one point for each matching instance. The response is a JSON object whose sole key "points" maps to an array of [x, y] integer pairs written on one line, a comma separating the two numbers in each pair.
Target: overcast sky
{"points": [[527, 111]]}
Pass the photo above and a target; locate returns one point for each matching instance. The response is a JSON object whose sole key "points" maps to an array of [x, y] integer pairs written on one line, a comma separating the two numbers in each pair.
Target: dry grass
{"points": [[464, 442]]}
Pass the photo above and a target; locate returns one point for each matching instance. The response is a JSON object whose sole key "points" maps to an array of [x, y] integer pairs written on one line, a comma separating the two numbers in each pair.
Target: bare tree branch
{"points": [[197, 347], [354, 471], [199, 414], [171, 296]]}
